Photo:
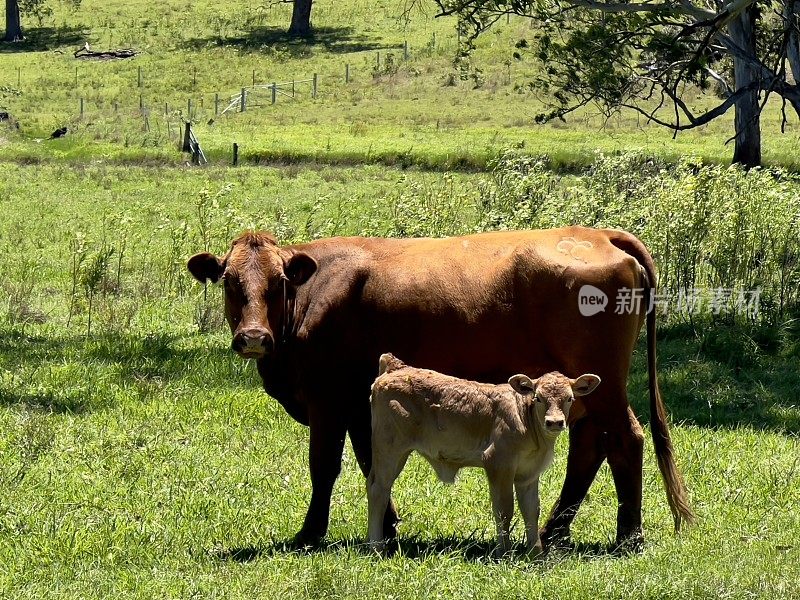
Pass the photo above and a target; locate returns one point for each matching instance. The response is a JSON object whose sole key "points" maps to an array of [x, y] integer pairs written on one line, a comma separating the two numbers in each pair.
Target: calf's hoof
{"points": [[536, 551], [378, 547]]}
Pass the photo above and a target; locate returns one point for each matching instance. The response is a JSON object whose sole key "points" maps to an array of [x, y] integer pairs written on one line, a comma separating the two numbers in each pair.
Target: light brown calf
{"points": [[509, 430]]}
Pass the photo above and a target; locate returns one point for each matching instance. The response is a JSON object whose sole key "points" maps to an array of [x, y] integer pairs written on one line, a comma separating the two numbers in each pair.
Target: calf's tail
{"points": [[677, 496]]}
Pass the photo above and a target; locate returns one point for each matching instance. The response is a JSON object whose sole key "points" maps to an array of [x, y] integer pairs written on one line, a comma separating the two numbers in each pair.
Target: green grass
{"points": [[144, 461], [141, 459], [409, 115]]}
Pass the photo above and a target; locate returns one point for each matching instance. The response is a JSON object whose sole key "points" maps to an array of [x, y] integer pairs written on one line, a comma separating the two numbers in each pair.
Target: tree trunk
{"points": [[301, 18], [747, 121], [13, 23]]}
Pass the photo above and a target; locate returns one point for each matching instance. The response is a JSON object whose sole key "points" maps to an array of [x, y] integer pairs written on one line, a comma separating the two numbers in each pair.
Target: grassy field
{"points": [[139, 457], [405, 113], [142, 460]]}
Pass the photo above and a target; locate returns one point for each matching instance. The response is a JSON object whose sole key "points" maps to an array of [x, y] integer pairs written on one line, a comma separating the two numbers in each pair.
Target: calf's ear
{"points": [[299, 268], [522, 384], [585, 384], [205, 266]]}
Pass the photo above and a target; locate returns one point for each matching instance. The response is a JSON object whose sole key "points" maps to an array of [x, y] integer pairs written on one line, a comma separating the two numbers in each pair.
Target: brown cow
{"points": [[509, 430], [317, 317]]}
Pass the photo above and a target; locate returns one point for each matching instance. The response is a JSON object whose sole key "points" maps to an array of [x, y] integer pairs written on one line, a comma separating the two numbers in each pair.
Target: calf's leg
{"points": [[528, 500], [325, 461], [360, 429], [386, 466], [501, 489], [586, 454], [625, 446]]}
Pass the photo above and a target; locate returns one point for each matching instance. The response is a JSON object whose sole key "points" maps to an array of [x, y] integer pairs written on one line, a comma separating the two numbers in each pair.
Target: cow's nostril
{"points": [[554, 423]]}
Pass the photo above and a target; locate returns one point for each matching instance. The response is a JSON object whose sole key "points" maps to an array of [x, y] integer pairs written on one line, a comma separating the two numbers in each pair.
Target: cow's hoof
{"points": [[631, 543], [556, 539], [390, 528], [307, 539]]}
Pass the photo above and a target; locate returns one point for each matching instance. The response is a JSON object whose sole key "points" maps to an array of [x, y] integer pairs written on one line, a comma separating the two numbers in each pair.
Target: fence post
{"points": [[216, 104], [166, 109], [140, 77], [189, 109], [347, 73], [314, 87], [141, 103], [274, 92], [187, 137], [433, 41], [378, 61], [19, 77], [194, 77], [81, 108], [195, 154], [76, 77], [116, 107], [243, 100], [235, 154], [405, 50], [292, 88]]}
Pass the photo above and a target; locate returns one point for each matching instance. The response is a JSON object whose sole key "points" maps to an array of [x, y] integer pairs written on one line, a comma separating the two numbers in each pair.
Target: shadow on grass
{"points": [[469, 549], [144, 361], [724, 376], [337, 40], [63, 401], [40, 39]]}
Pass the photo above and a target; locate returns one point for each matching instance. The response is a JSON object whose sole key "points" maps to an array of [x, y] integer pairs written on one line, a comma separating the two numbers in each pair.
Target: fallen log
{"points": [[86, 53]]}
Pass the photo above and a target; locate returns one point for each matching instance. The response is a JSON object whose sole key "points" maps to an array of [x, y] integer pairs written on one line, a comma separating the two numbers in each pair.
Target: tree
{"points": [[301, 18], [648, 55], [13, 22], [36, 8]]}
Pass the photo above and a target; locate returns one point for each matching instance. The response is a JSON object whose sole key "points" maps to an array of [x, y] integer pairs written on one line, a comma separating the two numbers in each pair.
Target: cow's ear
{"points": [[205, 266], [585, 384], [523, 384], [299, 268]]}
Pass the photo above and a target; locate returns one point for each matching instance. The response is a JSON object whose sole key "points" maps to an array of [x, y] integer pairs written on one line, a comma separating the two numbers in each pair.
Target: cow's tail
{"points": [[677, 495], [389, 362]]}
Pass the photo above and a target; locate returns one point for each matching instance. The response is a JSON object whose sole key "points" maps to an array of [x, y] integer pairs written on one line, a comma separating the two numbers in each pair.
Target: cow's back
{"points": [[484, 306]]}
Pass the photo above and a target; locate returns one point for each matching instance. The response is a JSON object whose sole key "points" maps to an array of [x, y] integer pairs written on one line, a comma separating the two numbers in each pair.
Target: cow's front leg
{"points": [[501, 489], [528, 500], [586, 454], [325, 461]]}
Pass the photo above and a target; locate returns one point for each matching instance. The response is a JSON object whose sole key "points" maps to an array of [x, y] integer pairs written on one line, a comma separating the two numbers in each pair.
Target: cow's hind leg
{"points": [[625, 445], [386, 466], [325, 461], [360, 429], [586, 454]]}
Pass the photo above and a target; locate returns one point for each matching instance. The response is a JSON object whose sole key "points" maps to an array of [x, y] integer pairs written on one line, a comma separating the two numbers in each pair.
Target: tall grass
{"points": [[722, 229]]}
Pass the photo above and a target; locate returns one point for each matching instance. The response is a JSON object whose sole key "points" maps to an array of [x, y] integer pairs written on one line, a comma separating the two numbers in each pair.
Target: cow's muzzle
{"points": [[253, 343]]}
